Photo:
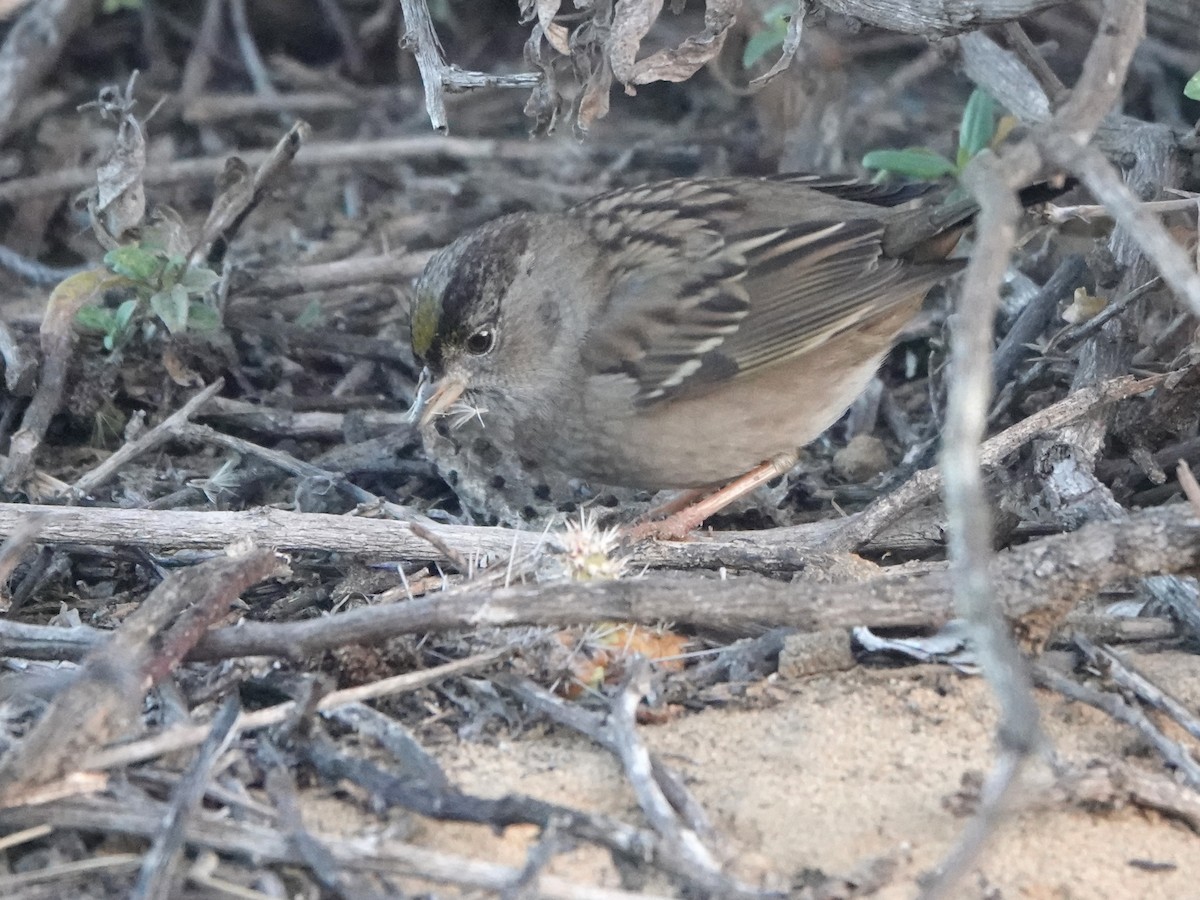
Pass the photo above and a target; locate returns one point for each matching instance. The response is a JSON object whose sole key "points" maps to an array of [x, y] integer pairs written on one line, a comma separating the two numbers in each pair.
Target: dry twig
{"points": [[159, 879], [1114, 705], [994, 183], [1040, 580], [31, 50], [97, 706], [155, 437], [436, 75], [182, 737], [142, 817], [934, 18], [315, 155], [638, 765]]}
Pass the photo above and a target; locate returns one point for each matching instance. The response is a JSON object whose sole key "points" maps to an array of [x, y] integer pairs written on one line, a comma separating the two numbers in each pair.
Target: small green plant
{"points": [[160, 281], [114, 324], [976, 132], [115, 6], [1191, 90], [312, 316], [771, 37]]}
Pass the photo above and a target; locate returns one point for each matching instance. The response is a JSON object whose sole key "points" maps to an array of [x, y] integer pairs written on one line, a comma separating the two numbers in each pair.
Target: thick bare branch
{"points": [[1039, 582], [936, 18]]}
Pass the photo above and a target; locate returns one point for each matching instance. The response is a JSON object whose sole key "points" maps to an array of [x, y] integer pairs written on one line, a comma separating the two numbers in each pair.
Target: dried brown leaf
{"points": [[178, 371], [598, 656], [685, 60], [240, 191], [57, 340], [235, 193], [634, 18], [120, 197], [168, 231], [791, 43], [556, 34], [593, 102], [1084, 306], [545, 101]]}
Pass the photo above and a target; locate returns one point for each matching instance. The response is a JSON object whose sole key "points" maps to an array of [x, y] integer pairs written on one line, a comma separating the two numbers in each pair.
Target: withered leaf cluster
{"points": [[601, 42]]}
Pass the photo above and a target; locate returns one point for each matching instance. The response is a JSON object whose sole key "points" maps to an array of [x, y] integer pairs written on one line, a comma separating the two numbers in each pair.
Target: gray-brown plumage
{"points": [[678, 333]]}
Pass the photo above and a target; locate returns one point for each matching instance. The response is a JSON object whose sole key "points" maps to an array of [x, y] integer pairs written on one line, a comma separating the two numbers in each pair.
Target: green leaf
{"points": [[915, 162], [978, 126], [123, 316], [95, 318], [312, 316], [171, 306], [199, 280], [135, 263], [1191, 90], [763, 42], [109, 342], [202, 317], [760, 44], [172, 270], [778, 15]]}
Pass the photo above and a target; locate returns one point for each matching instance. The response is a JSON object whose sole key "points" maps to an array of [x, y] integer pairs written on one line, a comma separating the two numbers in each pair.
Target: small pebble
{"points": [[861, 459]]}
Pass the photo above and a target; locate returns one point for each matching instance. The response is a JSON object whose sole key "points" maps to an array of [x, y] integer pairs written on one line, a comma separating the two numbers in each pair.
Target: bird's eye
{"points": [[481, 342]]}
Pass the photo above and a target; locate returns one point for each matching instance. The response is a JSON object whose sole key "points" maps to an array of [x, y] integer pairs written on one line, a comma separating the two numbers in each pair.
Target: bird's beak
{"points": [[435, 397]]}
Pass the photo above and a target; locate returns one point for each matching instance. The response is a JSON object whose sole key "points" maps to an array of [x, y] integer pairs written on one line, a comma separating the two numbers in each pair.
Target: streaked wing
{"points": [[690, 306], [812, 283], [848, 187], [676, 292]]}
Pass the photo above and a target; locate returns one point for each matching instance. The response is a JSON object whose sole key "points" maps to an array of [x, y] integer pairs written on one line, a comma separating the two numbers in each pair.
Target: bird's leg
{"points": [[680, 500], [679, 524]]}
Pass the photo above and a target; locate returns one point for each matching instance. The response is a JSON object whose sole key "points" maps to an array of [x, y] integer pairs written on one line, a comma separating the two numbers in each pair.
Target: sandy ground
{"points": [[835, 770]]}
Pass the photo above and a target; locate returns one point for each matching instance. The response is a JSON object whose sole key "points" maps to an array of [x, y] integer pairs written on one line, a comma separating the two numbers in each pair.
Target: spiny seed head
{"points": [[588, 551]]}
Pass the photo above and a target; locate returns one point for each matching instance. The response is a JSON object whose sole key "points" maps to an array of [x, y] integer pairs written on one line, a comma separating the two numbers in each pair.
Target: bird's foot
{"points": [[684, 513]]}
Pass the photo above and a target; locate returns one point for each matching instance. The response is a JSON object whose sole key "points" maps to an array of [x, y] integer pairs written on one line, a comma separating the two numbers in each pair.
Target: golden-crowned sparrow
{"points": [[676, 334]]}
